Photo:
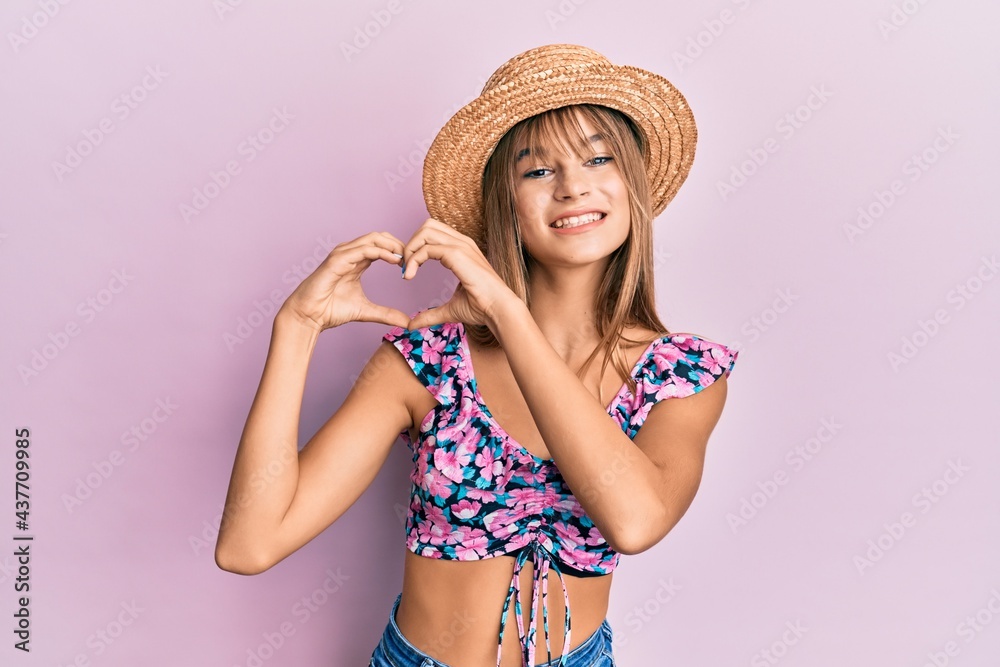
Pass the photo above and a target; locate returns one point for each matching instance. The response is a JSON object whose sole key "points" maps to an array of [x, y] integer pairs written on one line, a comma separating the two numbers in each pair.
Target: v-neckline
{"points": [[466, 355]]}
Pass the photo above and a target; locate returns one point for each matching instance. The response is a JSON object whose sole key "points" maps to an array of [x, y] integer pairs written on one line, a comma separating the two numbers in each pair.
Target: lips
{"points": [[577, 218]]}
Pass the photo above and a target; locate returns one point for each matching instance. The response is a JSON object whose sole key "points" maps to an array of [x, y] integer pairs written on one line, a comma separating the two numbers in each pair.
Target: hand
{"points": [[481, 293], [332, 295]]}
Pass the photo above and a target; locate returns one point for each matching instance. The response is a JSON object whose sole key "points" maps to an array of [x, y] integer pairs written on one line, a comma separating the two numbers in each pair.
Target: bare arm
{"points": [[266, 470], [280, 498]]}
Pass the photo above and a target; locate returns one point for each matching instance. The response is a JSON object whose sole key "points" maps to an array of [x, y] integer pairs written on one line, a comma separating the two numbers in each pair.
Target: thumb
{"points": [[432, 316], [385, 315]]}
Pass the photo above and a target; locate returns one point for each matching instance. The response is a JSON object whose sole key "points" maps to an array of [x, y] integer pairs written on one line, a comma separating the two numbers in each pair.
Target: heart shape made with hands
{"points": [[478, 296]]}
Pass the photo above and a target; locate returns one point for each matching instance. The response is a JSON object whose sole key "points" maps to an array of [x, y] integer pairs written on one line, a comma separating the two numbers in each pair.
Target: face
{"points": [[587, 196]]}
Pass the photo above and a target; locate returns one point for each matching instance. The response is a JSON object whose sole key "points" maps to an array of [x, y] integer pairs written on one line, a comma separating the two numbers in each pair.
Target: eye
{"points": [[605, 158], [535, 173]]}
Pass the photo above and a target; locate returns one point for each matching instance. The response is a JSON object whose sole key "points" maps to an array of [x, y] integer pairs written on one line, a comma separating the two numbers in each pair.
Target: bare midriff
{"points": [[451, 610]]}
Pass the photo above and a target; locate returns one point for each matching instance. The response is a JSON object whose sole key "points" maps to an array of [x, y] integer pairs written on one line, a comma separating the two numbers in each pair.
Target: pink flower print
{"points": [[675, 387], [712, 359], [436, 484], [421, 468], [584, 560], [447, 364], [431, 533], [433, 346], [570, 505], [522, 497], [496, 520], [404, 344], [549, 497], [640, 415], [519, 540], [569, 535], [472, 545], [465, 509], [546, 541], [455, 429], [452, 463], [489, 467], [532, 477], [436, 515], [667, 356], [481, 494], [594, 538], [429, 552]]}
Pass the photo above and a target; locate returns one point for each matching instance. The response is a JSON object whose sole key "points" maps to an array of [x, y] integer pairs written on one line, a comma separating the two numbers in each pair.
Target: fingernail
{"points": [[403, 272]]}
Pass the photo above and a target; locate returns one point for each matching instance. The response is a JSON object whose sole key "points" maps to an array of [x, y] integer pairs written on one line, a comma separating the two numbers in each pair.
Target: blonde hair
{"points": [[626, 293]]}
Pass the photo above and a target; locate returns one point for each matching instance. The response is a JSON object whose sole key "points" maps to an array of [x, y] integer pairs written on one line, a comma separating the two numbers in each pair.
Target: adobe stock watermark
{"points": [[757, 325], [458, 625], [796, 459], [914, 167], [413, 161], [101, 640], [224, 7], [643, 614], [263, 310], [619, 466], [894, 531], [562, 12], [220, 179], [302, 611], [133, 439], [957, 298], [366, 34], [407, 165], [87, 311], [121, 108], [787, 125], [258, 483], [713, 29], [8, 569], [32, 24], [779, 648], [899, 16], [968, 629]]}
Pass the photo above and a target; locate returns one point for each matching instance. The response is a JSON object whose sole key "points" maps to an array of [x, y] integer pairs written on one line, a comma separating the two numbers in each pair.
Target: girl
{"points": [[528, 454]]}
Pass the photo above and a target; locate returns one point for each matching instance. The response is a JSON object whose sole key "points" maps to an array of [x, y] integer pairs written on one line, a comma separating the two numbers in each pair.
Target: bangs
{"points": [[560, 128]]}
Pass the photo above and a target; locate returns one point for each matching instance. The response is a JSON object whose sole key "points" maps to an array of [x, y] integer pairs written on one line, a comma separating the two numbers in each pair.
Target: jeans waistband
{"points": [[405, 654]]}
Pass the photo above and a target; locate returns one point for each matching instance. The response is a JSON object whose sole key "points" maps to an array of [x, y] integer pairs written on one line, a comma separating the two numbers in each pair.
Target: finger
{"points": [[372, 312], [431, 229], [360, 258], [380, 239], [451, 231], [439, 249], [432, 316]]}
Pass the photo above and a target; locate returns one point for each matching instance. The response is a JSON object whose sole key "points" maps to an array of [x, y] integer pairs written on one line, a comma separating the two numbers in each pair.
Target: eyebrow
{"points": [[525, 152]]}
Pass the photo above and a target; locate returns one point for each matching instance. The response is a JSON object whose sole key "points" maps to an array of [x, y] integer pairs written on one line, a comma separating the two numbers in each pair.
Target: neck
{"points": [[564, 306]]}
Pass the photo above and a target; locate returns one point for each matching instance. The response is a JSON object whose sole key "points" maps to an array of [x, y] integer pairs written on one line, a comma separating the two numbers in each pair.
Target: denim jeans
{"points": [[395, 651]]}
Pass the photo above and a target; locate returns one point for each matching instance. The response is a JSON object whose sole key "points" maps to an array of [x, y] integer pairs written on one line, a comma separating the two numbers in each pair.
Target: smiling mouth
{"points": [[577, 220]]}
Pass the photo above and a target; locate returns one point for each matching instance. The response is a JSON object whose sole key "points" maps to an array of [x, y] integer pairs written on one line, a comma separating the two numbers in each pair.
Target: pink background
{"points": [[771, 268]]}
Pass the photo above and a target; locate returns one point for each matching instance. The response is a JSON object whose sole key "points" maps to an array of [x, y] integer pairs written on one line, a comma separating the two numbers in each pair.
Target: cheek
{"points": [[616, 187]]}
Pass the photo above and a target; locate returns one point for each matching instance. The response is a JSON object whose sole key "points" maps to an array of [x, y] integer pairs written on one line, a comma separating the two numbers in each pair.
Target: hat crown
{"points": [[545, 61]]}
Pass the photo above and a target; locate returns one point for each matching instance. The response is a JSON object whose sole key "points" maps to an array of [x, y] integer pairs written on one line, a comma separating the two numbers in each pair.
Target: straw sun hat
{"points": [[544, 78]]}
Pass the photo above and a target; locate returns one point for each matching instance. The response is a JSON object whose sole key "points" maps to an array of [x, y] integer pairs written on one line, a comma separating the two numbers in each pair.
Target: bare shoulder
{"points": [[393, 378]]}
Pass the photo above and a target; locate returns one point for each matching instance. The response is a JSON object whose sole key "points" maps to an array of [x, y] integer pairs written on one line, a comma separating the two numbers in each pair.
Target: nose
{"points": [[571, 183]]}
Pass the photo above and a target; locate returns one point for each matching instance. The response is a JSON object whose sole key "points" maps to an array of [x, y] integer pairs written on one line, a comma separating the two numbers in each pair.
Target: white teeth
{"points": [[576, 220]]}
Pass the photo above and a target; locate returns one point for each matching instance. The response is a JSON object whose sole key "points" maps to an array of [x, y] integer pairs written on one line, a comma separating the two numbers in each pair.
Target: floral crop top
{"points": [[476, 493]]}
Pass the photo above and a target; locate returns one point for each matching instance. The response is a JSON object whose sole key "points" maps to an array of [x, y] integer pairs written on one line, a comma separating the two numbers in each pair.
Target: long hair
{"points": [[626, 293]]}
